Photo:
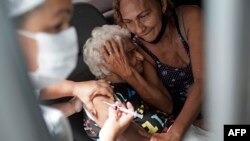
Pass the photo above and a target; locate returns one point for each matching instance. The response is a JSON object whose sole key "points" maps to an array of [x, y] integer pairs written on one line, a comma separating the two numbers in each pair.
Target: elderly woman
{"points": [[95, 56]]}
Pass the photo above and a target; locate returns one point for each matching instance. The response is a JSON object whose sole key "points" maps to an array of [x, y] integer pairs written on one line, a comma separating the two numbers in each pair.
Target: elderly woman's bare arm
{"points": [[132, 129]]}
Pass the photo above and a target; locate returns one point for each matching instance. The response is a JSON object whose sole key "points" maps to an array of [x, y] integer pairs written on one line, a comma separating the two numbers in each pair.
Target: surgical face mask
{"points": [[57, 56]]}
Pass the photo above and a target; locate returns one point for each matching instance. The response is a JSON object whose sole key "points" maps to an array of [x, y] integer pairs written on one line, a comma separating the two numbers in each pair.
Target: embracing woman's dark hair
{"points": [[118, 17]]}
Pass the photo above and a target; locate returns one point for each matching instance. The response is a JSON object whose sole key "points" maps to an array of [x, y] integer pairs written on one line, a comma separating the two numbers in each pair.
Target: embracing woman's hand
{"points": [[171, 135]]}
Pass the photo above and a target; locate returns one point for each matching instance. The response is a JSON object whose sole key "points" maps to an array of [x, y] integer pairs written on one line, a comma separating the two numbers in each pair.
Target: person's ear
{"points": [[164, 6]]}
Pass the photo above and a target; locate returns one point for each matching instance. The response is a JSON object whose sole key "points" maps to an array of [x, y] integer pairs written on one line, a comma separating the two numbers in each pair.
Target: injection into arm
{"points": [[135, 114]]}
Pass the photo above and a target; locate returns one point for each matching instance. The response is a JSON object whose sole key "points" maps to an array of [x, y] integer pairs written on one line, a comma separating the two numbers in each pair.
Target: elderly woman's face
{"points": [[134, 56], [142, 17], [51, 17]]}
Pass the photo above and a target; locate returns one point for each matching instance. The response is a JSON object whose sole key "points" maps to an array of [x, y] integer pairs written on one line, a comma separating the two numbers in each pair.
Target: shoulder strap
{"points": [[181, 24]]}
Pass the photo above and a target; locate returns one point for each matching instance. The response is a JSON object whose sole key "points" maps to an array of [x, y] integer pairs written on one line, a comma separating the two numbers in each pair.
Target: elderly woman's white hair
{"points": [[91, 50]]}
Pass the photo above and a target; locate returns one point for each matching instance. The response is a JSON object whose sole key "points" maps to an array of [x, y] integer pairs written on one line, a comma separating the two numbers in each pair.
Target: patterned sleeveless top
{"points": [[153, 121], [176, 80]]}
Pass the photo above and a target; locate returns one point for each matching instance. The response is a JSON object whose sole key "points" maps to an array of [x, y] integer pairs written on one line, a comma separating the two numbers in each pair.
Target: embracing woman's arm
{"points": [[192, 19]]}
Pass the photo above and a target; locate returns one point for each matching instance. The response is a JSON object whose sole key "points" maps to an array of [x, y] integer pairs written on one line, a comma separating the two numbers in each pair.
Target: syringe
{"points": [[135, 114]]}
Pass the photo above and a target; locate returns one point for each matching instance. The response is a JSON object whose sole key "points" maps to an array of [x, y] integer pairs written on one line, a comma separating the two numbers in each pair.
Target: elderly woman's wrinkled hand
{"points": [[115, 58], [87, 90]]}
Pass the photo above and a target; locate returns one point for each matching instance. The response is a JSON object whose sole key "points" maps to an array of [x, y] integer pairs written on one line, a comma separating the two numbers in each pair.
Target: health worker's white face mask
{"points": [[57, 56]]}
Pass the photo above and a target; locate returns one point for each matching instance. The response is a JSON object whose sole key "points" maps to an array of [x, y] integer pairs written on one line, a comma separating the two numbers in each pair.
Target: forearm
{"points": [[67, 108], [149, 92], [191, 109], [62, 89], [70, 107]]}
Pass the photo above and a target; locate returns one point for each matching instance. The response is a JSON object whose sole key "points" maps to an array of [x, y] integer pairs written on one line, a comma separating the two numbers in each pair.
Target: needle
{"points": [[135, 114]]}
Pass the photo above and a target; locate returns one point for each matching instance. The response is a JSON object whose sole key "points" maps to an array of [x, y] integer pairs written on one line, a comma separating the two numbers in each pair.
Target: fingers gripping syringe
{"points": [[135, 114]]}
